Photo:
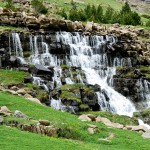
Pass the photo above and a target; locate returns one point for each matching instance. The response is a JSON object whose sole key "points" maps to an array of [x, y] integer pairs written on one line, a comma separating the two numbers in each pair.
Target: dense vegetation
{"points": [[97, 14]]}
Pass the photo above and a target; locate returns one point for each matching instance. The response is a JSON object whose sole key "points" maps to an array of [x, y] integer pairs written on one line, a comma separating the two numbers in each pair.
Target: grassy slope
{"points": [[8, 77], [124, 140], [83, 3]]}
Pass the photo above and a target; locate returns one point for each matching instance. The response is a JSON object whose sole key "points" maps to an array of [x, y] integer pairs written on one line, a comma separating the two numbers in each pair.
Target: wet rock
{"points": [[84, 118], [44, 122], [40, 70], [19, 114], [28, 79]]}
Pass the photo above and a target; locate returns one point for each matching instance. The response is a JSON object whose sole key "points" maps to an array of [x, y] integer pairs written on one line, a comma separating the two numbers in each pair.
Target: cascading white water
{"points": [[144, 90], [83, 56], [17, 45], [38, 81], [88, 53]]}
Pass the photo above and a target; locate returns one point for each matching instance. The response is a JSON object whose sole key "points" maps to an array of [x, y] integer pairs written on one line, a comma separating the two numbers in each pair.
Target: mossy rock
{"points": [[69, 98], [84, 107]]}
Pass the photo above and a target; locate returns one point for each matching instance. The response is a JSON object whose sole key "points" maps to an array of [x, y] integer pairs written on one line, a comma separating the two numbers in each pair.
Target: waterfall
{"points": [[17, 45], [143, 88], [83, 55], [88, 53]]}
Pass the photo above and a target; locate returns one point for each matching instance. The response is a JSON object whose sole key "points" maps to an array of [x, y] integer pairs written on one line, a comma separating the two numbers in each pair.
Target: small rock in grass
{"points": [[44, 122], [19, 114]]}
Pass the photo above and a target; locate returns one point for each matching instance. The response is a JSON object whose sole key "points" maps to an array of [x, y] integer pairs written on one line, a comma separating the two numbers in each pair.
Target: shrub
{"points": [[10, 5], [148, 23], [39, 7]]}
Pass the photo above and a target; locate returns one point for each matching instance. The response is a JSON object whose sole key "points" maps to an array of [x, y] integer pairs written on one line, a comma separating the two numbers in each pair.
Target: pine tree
{"points": [[125, 9], [108, 15], [99, 14]]}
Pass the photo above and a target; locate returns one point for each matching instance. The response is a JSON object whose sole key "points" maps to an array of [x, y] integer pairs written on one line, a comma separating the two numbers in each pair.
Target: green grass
{"points": [[83, 3], [8, 77], [80, 139], [10, 28]]}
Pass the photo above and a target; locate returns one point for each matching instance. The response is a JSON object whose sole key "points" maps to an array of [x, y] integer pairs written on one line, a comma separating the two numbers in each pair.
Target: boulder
{"points": [[19, 114], [21, 91], [92, 117], [1, 10], [28, 79], [139, 128], [146, 135], [44, 122], [89, 27], [12, 92], [40, 129], [14, 88], [107, 122], [104, 120], [84, 118], [27, 96], [40, 70], [5, 109], [34, 100], [92, 128]]}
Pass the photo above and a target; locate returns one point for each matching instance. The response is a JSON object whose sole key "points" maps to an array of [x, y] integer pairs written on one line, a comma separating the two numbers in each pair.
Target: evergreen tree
{"points": [[108, 17], [39, 7], [10, 5], [63, 14], [136, 19], [125, 9], [88, 11], [99, 14]]}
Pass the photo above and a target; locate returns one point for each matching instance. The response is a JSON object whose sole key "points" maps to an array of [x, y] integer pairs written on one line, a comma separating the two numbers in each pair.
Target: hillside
{"points": [[76, 137]]}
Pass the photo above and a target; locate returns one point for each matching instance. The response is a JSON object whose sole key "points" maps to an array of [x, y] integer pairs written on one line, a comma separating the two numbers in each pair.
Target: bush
{"points": [[39, 7], [10, 5], [148, 23]]}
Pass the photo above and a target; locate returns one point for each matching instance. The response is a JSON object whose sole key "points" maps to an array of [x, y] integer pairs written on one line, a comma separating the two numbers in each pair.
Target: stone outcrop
{"points": [[40, 129], [19, 114], [5, 111]]}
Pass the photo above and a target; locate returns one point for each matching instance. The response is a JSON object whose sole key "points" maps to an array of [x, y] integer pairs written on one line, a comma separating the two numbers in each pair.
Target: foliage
{"points": [[96, 14], [148, 23], [10, 5], [39, 7]]}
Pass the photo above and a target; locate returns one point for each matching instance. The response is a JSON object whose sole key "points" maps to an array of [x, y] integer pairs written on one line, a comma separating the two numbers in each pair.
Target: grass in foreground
{"points": [[79, 138]]}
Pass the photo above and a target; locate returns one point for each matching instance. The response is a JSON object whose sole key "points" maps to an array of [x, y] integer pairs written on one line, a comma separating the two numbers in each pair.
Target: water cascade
{"points": [[89, 54]]}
